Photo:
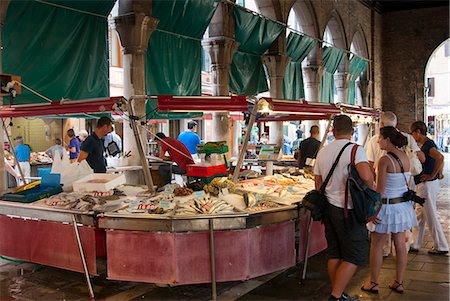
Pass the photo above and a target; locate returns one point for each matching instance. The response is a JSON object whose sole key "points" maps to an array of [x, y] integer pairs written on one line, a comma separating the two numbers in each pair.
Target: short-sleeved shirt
{"points": [[177, 151], [374, 152], [22, 153], [74, 142], [190, 140], [335, 190], [308, 149], [93, 145], [113, 137], [429, 164]]}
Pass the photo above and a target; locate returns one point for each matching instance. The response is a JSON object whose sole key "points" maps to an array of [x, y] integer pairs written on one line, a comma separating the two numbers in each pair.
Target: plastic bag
{"points": [[70, 172]]}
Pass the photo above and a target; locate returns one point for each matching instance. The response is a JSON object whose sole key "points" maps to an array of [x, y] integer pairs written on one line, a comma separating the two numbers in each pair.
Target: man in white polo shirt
{"points": [[348, 243]]}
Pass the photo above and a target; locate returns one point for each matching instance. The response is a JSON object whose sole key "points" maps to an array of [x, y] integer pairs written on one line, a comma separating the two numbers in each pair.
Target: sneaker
{"points": [[349, 298], [413, 250], [437, 252]]}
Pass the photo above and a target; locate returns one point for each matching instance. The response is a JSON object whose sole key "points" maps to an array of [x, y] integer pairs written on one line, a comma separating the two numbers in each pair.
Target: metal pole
{"points": [[146, 169], [213, 260], [369, 131], [14, 153], [83, 259], [248, 132], [305, 264]]}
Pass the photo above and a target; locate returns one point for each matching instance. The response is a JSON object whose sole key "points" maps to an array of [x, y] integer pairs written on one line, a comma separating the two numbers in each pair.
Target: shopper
{"points": [[23, 157], [56, 150], [396, 215], [308, 148], [178, 153], [82, 135], [92, 148], [113, 137], [74, 146], [190, 138], [428, 187], [374, 153], [348, 247]]}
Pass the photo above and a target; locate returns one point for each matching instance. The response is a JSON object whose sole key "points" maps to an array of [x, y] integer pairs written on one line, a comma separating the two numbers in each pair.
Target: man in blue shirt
{"points": [[23, 156], [92, 148], [191, 139]]}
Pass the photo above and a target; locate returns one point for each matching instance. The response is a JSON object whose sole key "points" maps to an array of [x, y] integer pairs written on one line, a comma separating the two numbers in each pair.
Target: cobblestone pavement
{"points": [[427, 278]]}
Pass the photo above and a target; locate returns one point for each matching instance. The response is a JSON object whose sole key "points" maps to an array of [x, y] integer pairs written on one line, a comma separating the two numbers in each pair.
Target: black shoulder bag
{"points": [[409, 195], [316, 200]]}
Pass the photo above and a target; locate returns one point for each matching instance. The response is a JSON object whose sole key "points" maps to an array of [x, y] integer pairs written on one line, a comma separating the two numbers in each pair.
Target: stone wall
{"points": [[409, 39]]}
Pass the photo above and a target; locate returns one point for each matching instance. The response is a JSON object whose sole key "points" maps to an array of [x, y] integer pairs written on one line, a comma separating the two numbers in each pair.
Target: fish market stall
{"points": [[167, 238]]}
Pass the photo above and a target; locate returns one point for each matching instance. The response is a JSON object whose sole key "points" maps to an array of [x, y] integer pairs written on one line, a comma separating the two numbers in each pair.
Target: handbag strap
{"points": [[327, 179], [352, 162], [401, 166]]}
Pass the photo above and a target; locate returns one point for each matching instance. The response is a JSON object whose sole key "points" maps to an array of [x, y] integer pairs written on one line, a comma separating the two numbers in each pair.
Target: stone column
{"points": [[311, 79], [276, 66], [342, 81], [364, 87], [3, 9], [221, 50], [134, 31]]}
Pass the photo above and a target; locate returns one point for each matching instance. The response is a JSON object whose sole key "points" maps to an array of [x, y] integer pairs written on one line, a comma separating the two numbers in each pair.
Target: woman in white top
{"points": [[396, 215]]}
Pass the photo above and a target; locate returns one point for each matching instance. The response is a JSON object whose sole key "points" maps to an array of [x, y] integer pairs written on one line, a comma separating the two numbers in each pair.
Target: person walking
{"points": [[396, 215], [428, 187], [23, 153], [348, 247]]}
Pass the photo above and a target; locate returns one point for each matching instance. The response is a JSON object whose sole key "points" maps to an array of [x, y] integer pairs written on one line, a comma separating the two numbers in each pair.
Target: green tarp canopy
{"points": [[152, 112], [298, 48], [173, 60], [332, 58], [357, 66], [255, 34], [58, 51]]}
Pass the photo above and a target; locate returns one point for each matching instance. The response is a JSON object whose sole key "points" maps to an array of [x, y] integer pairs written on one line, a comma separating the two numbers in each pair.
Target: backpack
{"points": [[366, 201]]}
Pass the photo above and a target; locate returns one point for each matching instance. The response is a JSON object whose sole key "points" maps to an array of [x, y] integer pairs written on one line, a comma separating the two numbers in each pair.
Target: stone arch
{"points": [[359, 47], [306, 17], [337, 30]]}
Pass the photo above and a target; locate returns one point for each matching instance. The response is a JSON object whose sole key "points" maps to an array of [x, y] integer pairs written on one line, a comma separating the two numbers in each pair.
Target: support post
{"points": [[251, 121], [146, 169]]}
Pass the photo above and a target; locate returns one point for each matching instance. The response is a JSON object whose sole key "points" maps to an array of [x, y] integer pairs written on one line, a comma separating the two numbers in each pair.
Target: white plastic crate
{"points": [[111, 181]]}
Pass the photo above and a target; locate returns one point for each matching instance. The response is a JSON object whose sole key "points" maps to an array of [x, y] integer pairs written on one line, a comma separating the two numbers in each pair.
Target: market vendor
{"points": [[92, 148], [308, 148], [56, 150], [23, 157], [178, 153]]}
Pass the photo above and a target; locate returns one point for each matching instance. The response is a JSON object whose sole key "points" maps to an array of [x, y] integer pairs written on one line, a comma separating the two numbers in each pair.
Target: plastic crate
{"points": [[33, 194], [195, 170]]}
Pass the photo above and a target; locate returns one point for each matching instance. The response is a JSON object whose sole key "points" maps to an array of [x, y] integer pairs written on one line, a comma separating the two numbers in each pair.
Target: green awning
{"points": [[357, 66], [332, 58], [298, 48], [58, 52], [255, 34], [153, 113], [173, 61], [85, 116]]}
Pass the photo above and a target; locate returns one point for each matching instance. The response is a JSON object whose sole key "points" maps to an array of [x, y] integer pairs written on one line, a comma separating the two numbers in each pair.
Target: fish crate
{"points": [[34, 194], [196, 170]]}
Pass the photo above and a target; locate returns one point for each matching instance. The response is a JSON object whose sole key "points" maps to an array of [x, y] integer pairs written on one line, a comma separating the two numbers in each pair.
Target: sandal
{"points": [[437, 252], [395, 287], [372, 289]]}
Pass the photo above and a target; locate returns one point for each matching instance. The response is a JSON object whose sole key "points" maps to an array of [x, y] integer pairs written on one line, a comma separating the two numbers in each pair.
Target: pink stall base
{"points": [[184, 258], [48, 243], [317, 242]]}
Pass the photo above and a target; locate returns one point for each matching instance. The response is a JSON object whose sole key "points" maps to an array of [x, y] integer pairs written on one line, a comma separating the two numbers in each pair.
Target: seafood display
{"points": [[217, 184], [182, 191], [74, 201], [205, 206]]}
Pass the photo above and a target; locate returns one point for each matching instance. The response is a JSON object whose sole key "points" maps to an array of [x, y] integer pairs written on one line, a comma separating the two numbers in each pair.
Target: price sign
{"points": [[290, 189], [169, 190], [258, 197], [165, 204], [199, 194], [225, 191]]}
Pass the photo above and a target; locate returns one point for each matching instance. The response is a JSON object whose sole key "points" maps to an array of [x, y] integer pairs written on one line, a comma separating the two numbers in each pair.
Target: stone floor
{"points": [[427, 279]]}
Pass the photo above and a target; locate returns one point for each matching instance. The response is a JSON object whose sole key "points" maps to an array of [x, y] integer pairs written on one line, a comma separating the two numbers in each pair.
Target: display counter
{"points": [[176, 250], [46, 236]]}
